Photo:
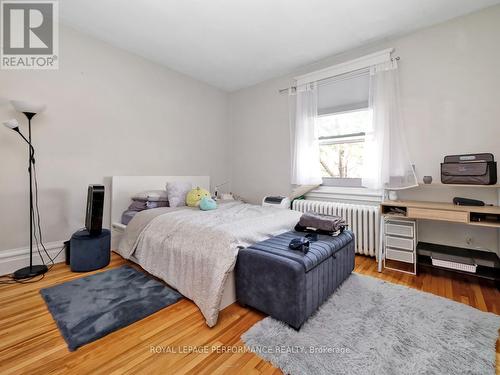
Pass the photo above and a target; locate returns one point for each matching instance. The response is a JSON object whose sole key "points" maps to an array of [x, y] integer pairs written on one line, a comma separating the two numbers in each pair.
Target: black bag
{"points": [[470, 169]]}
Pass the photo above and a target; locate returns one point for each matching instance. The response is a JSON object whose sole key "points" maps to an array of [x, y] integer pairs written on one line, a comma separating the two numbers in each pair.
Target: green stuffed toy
{"points": [[207, 204], [194, 197]]}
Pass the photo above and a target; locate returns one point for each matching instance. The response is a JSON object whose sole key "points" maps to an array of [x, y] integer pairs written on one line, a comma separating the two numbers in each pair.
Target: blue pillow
{"points": [[207, 204]]}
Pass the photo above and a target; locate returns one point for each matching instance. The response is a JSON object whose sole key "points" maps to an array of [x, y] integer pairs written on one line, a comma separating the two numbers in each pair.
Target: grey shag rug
{"points": [[91, 307], [370, 327]]}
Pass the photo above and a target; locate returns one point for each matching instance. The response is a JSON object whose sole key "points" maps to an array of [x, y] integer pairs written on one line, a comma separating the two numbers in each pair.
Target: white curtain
{"points": [[305, 161], [386, 160]]}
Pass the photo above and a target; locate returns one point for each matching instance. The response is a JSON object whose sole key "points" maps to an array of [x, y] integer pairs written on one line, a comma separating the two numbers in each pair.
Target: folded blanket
{"points": [[127, 216], [326, 223], [140, 205], [156, 204]]}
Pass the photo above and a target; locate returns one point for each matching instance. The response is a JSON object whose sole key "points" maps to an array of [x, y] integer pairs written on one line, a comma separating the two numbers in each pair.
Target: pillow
{"points": [[138, 205], [151, 195], [176, 192]]}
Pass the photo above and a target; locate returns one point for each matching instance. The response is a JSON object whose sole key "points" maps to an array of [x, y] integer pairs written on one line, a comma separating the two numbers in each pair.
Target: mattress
{"points": [[229, 293]]}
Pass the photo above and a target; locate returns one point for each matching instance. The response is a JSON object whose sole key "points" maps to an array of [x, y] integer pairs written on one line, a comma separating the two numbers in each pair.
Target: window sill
{"points": [[346, 194]]}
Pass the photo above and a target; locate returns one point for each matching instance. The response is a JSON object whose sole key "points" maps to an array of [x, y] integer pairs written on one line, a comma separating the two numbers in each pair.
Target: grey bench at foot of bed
{"points": [[290, 285]]}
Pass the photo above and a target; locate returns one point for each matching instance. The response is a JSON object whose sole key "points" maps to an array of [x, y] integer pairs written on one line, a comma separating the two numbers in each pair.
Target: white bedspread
{"points": [[194, 250]]}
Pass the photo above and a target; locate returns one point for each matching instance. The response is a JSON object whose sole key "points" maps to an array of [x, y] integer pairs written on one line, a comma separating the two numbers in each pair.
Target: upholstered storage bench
{"points": [[290, 285]]}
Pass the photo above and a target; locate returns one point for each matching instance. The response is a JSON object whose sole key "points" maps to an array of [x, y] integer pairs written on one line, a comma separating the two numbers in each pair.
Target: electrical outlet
{"points": [[469, 240]]}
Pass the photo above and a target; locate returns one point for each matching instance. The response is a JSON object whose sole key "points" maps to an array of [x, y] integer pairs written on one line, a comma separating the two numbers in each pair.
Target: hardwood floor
{"points": [[31, 343]]}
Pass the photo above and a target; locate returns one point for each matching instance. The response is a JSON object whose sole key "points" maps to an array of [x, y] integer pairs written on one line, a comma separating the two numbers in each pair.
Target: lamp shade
{"points": [[22, 106], [11, 124]]}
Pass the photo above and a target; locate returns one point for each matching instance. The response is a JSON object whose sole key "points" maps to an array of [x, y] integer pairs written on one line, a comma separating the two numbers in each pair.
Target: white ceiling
{"points": [[233, 44]]}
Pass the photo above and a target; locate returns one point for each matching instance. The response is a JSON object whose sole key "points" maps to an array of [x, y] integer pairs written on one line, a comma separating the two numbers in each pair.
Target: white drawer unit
{"points": [[400, 243]]}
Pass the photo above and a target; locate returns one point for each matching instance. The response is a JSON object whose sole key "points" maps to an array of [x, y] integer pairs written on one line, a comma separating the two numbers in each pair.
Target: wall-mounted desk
{"points": [[484, 216]]}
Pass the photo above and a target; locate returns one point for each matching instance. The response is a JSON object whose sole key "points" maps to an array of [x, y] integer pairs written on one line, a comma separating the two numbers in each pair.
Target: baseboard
{"points": [[11, 260]]}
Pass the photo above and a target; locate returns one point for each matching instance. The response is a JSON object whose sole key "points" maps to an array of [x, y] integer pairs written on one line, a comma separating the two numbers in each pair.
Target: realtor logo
{"points": [[29, 35]]}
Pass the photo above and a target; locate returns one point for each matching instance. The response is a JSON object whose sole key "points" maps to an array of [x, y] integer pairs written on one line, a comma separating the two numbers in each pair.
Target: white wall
{"points": [[103, 104], [449, 87]]}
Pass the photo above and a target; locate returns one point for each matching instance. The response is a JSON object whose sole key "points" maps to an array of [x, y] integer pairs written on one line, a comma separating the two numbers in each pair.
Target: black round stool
{"points": [[88, 253]]}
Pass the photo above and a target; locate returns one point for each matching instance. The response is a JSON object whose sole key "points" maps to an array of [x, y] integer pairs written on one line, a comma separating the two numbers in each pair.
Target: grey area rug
{"points": [[374, 327], [89, 308]]}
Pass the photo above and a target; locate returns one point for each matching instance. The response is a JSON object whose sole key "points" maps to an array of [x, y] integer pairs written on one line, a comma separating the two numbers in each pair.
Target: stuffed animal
{"points": [[194, 196], [207, 204]]}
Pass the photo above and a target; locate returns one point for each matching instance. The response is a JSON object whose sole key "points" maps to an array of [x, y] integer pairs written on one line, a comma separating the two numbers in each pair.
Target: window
{"points": [[341, 140], [343, 118]]}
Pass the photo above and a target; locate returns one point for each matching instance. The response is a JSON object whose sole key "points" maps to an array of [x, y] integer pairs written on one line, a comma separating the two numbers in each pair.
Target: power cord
{"points": [[36, 220], [10, 280], [37, 234]]}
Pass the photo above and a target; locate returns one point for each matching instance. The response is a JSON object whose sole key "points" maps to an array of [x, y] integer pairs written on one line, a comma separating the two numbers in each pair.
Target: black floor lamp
{"points": [[29, 110]]}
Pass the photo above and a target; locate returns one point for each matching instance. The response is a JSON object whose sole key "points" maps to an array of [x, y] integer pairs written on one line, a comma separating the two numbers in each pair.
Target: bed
{"points": [[193, 251]]}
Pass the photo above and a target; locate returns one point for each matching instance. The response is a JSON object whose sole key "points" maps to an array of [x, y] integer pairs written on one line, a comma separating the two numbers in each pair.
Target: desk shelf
{"points": [[488, 224], [488, 263], [481, 273], [489, 215]]}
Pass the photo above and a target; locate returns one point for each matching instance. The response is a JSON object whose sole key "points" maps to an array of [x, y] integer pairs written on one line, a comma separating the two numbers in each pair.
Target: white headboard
{"points": [[124, 187]]}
